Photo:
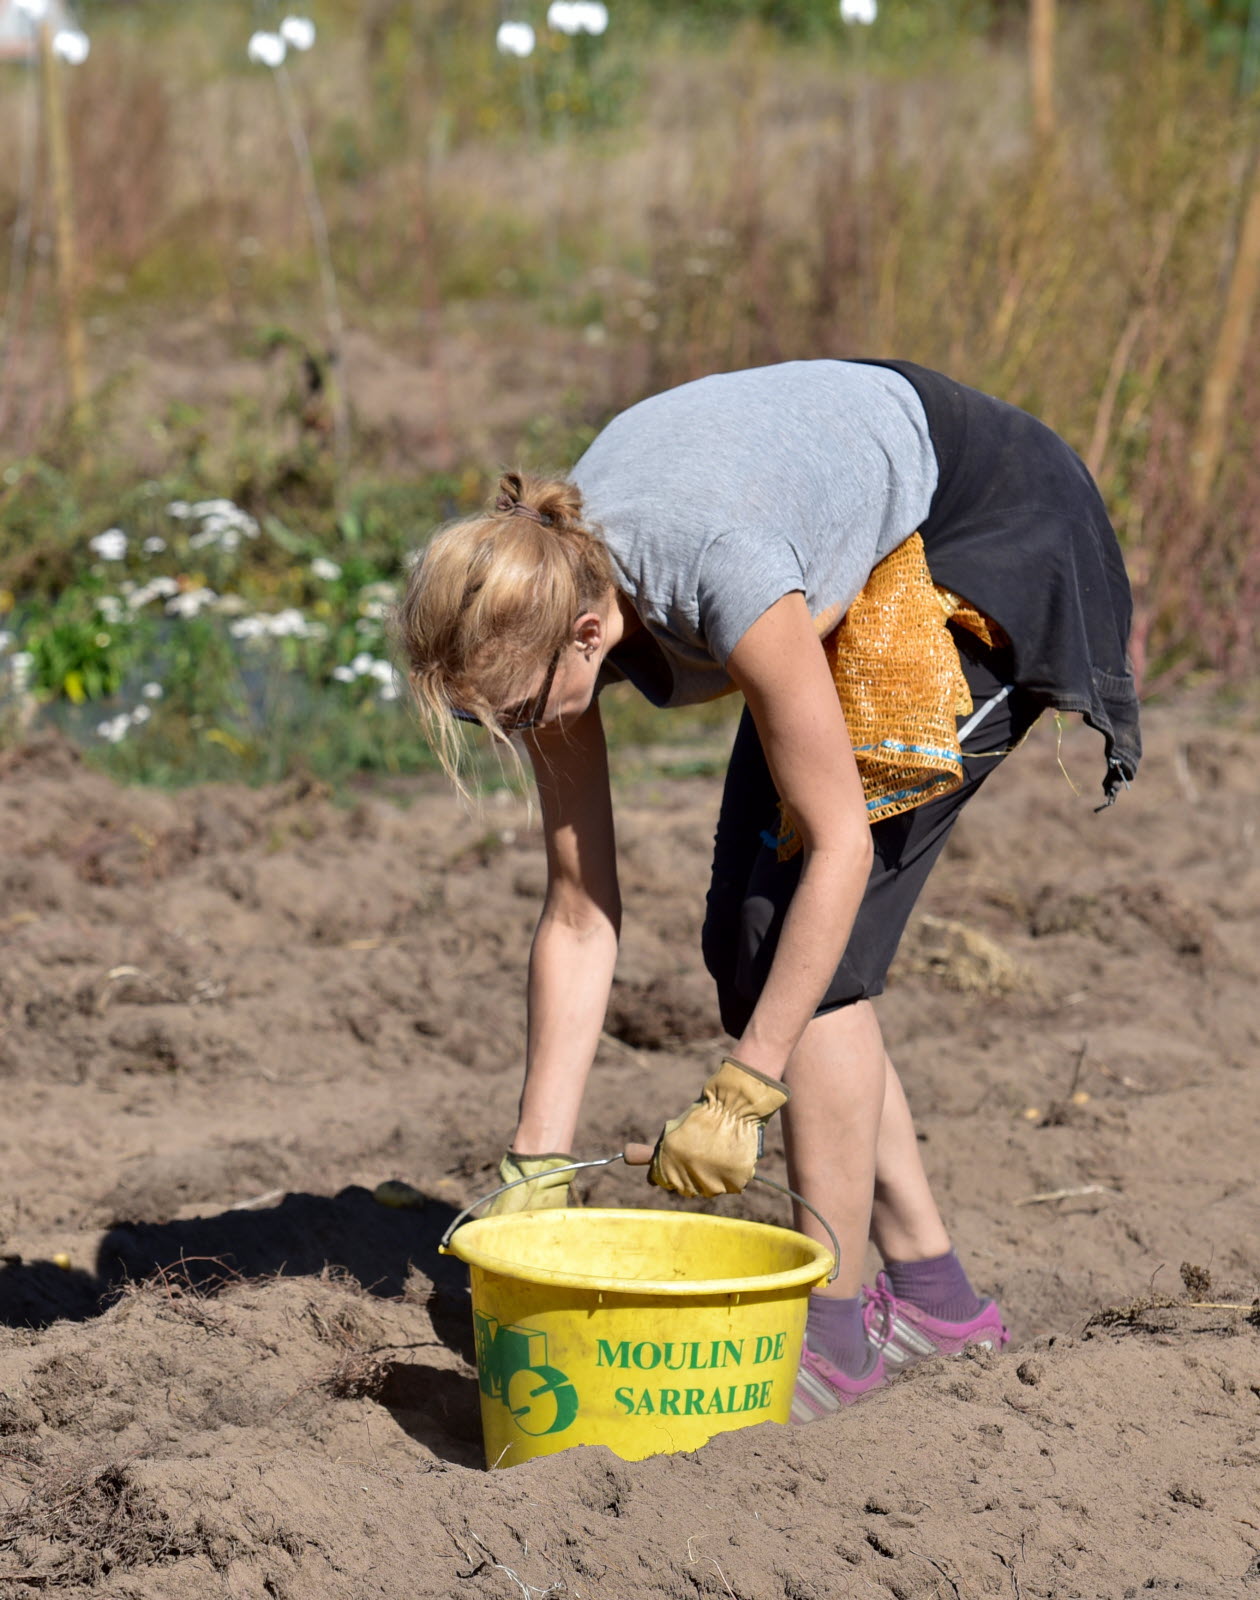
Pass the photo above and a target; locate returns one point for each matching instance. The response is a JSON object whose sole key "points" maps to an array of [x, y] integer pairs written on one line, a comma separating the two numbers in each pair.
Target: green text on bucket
{"points": [[690, 1355]]}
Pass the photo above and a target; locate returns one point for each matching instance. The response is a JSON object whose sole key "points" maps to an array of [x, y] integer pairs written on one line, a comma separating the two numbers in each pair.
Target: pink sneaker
{"points": [[904, 1335], [822, 1388]]}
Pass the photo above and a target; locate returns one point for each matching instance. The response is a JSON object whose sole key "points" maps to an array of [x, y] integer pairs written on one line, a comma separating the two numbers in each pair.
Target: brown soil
{"points": [[226, 1015]]}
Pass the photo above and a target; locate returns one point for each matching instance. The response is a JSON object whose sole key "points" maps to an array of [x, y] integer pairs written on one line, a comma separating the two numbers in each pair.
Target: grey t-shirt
{"points": [[719, 497]]}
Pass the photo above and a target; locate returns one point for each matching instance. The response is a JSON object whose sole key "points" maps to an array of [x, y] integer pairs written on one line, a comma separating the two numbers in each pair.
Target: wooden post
{"points": [[58, 139], [1041, 29], [1231, 342]]}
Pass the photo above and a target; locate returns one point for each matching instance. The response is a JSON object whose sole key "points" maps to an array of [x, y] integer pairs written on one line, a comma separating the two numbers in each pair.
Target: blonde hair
{"points": [[494, 598]]}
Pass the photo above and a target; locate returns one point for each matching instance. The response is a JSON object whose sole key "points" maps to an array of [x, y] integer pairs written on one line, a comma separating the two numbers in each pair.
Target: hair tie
{"points": [[518, 508]]}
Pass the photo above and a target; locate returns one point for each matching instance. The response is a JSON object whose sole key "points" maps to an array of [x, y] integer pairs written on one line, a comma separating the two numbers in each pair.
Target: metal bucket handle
{"points": [[608, 1161]]}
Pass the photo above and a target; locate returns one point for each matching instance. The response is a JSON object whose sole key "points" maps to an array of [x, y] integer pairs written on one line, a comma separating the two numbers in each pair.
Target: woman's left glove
{"points": [[551, 1190], [713, 1147]]}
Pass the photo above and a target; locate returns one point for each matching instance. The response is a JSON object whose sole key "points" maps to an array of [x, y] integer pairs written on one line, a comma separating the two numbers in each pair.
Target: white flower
{"points": [[298, 32], [560, 16], [110, 607], [288, 624], [593, 16], [20, 664], [6, 639], [156, 589], [577, 16], [291, 624], [515, 39], [344, 674], [190, 602], [110, 545], [362, 663], [324, 569], [114, 729], [862, 11], [71, 45], [226, 538], [153, 546], [267, 49], [387, 677], [153, 691], [220, 522]]}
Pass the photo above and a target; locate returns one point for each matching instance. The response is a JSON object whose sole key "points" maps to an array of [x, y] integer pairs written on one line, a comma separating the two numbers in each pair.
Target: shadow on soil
{"points": [[438, 1407], [301, 1236]]}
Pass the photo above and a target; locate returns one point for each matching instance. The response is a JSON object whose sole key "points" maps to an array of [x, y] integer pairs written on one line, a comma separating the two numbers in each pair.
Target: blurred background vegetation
{"points": [[197, 553]]}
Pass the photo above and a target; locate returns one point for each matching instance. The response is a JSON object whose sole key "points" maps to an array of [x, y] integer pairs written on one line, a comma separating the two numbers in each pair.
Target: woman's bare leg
{"points": [[851, 1147], [905, 1223]]}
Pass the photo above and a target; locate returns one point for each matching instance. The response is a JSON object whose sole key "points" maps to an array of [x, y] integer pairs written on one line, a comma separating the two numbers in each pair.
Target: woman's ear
{"points": [[589, 632]]}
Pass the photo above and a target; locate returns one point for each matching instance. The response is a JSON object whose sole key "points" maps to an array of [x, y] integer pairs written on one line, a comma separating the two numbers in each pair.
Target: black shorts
{"points": [[751, 888]]}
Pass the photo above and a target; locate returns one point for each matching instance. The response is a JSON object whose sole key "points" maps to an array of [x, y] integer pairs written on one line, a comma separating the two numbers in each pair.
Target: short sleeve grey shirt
{"points": [[720, 497]]}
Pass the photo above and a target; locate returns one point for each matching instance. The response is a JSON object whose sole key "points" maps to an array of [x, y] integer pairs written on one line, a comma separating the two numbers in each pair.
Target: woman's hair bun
{"points": [[554, 502]]}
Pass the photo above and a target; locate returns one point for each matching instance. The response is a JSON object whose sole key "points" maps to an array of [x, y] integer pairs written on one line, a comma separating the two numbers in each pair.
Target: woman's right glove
{"points": [[550, 1191], [713, 1147]]}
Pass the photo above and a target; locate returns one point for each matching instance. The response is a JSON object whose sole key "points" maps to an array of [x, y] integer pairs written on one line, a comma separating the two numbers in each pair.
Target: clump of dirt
{"points": [[960, 957], [226, 1016]]}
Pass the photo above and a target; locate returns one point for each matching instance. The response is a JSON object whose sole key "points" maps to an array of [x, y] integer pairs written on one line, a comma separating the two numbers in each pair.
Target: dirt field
{"points": [[224, 1371]]}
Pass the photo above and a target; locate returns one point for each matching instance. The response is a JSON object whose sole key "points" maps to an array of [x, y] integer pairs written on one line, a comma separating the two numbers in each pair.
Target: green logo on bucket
{"points": [[512, 1367]]}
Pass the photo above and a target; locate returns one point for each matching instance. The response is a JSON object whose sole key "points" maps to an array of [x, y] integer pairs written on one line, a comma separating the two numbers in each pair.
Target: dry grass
{"points": [[81, 1523], [1155, 1313]]}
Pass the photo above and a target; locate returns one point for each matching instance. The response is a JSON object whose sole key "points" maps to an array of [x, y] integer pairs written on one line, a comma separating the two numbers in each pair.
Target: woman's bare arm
{"points": [[575, 945], [780, 666]]}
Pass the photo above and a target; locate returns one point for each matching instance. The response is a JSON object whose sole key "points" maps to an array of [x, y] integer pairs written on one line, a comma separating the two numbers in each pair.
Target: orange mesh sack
{"points": [[901, 685]]}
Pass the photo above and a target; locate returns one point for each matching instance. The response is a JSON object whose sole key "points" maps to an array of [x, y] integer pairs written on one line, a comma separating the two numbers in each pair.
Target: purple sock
{"points": [[834, 1330], [938, 1286]]}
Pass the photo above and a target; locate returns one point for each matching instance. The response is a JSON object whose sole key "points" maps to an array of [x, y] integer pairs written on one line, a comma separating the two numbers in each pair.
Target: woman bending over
{"points": [[898, 573]]}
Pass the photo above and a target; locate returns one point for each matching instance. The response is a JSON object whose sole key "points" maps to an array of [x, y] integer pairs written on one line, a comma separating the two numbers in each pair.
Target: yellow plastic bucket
{"points": [[646, 1331]]}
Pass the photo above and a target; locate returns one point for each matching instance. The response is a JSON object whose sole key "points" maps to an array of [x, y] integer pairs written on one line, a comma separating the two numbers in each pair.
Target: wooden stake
{"points": [[1231, 342], [1041, 29], [58, 139]]}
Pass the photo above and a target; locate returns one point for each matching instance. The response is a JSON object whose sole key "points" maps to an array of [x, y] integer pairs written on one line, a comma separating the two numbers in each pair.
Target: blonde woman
{"points": [[835, 540]]}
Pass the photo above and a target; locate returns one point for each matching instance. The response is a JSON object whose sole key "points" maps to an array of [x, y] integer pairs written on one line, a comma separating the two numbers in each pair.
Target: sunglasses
{"points": [[530, 712]]}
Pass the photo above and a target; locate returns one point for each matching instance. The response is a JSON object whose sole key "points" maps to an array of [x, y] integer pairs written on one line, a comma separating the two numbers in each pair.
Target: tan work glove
{"points": [[550, 1192], [713, 1147]]}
